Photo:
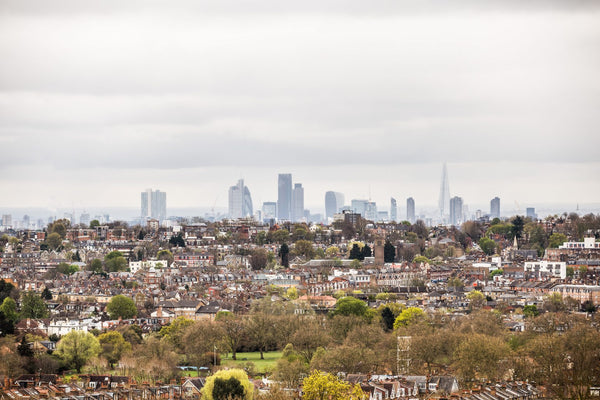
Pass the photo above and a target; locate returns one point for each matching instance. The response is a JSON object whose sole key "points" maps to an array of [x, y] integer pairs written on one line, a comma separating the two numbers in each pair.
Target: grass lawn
{"points": [[266, 365]]}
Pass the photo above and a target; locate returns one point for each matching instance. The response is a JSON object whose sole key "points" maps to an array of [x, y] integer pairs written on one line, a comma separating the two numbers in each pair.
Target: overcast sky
{"points": [[100, 100]]}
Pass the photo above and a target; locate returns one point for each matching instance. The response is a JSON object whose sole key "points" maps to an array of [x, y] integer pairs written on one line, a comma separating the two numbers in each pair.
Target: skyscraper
{"points": [[456, 210], [269, 211], [393, 210], [284, 197], [410, 210], [371, 211], [334, 201], [298, 203], [530, 212], [359, 206], [495, 207], [444, 200], [240, 201], [154, 205]]}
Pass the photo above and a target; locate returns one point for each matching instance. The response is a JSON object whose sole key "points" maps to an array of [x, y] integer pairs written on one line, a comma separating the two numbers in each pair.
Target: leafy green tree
{"points": [[517, 226], [9, 308], [488, 246], [6, 289], [77, 347], [366, 252], [284, 252], [325, 386], [409, 316], [240, 375], [387, 318], [280, 236], [165, 255], [304, 248], [479, 356], [355, 253], [389, 252], [530, 311], [59, 226], [33, 306], [476, 299], [67, 269], [177, 240], [115, 261], [350, 306], [94, 223], [113, 346], [228, 389], [421, 259], [96, 266], [174, 332], [121, 306], [234, 329]]}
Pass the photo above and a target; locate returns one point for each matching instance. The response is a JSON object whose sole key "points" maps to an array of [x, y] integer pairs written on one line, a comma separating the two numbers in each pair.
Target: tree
{"points": [[355, 252], [9, 308], [165, 255], [350, 306], [280, 236], [234, 329], [122, 307], [46, 294], [387, 318], [409, 316], [421, 259], [77, 347], [32, 306], [94, 223], [177, 240], [240, 375], [59, 226], [67, 269], [284, 252], [476, 299], [479, 356], [6, 289], [96, 266], [324, 386], [258, 259], [389, 252], [115, 261], [517, 226], [304, 248], [366, 252], [530, 311], [488, 246], [113, 346], [228, 389], [54, 241]]}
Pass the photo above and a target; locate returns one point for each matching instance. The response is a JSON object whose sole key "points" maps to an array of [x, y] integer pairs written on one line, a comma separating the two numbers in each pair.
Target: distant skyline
{"points": [[100, 101]]}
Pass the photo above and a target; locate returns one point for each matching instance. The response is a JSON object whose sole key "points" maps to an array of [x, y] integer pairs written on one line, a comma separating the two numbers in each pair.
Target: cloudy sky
{"points": [[100, 100]]}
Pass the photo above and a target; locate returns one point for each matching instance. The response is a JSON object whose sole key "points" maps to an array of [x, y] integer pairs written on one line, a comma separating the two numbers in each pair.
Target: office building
{"points": [[298, 203], [7, 220], [393, 209], [240, 201], [410, 210], [456, 210], [269, 211], [334, 201], [531, 213], [444, 200], [359, 206], [154, 205], [495, 208], [371, 211], [85, 219], [284, 197]]}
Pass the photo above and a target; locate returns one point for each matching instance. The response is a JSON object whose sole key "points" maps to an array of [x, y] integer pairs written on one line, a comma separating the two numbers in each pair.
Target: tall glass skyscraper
{"points": [[154, 205], [393, 210], [240, 201], [284, 197], [444, 200], [495, 207], [298, 202], [410, 210], [334, 201]]}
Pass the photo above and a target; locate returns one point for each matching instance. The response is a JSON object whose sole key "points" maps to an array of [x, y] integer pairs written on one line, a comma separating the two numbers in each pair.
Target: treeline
{"points": [[556, 349]]}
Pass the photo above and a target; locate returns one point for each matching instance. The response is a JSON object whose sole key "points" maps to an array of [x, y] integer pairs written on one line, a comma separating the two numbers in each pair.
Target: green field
{"points": [[261, 366]]}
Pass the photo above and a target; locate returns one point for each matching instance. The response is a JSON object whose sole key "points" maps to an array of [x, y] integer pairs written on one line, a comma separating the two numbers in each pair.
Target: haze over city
{"points": [[99, 102]]}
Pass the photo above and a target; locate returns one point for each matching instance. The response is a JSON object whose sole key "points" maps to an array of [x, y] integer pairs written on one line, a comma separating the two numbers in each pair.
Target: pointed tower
{"points": [[444, 201]]}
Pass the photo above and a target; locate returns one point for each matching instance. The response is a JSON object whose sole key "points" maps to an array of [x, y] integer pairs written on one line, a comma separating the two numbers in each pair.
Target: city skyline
{"points": [[512, 109]]}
